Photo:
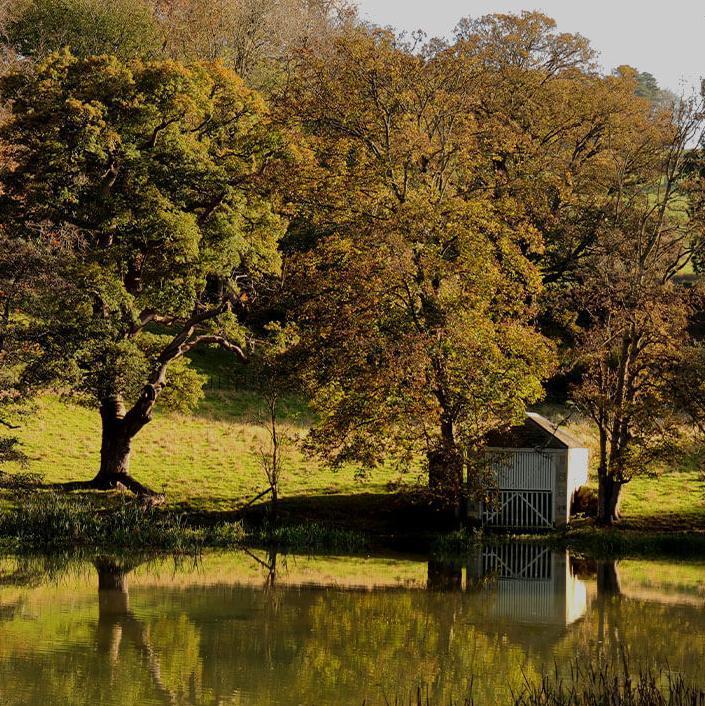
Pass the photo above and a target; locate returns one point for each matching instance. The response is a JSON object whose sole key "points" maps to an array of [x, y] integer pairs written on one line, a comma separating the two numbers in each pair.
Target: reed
{"points": [[589, 684], [44, 519]]}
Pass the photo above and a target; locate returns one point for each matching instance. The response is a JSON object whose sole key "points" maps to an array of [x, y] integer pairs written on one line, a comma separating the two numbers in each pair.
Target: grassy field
{"points": [[204, 461], [673, 498], [207, 462]]}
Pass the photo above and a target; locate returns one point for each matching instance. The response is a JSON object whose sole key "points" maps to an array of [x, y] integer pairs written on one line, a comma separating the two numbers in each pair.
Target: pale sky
{"points": [[668, 41]]}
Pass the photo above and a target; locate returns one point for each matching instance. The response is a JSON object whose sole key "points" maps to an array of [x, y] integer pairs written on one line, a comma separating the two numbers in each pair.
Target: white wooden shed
{"points": [[537, 468]]}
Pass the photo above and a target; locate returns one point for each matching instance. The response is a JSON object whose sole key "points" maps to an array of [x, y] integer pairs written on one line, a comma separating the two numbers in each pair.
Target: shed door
{"points": [[525, 497]]}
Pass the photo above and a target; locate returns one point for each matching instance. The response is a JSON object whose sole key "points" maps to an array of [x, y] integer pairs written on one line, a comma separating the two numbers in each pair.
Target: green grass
{"points": [[207, 464], [673, 498], [206, 461], [300, 537], [46, 520]]}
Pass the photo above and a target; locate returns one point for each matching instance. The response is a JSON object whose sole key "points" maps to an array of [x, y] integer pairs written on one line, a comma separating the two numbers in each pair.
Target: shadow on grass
{"points": [[376, 514], [665, 522]]}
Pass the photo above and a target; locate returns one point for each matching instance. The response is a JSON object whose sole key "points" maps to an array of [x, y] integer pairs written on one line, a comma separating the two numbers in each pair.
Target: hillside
{"points": [[207, 461]]}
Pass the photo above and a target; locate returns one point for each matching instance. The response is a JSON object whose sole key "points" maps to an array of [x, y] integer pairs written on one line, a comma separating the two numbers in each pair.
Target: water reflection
{"points": [[117, 624], [258, 628], [532, 584]]}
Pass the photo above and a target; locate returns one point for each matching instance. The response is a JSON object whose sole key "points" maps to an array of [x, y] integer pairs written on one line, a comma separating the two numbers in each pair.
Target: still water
{"points": [[257, 628]]}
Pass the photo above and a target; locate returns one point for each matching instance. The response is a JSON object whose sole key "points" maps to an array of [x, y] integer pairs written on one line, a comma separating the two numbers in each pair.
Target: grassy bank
{"points": [[50, 521], [587, 539], [207, 461], [207, 464], [615, 542], [42, 520]]}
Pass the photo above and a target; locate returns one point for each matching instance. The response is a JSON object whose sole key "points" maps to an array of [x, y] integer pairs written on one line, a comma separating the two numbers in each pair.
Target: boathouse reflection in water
{"points": [[260, 628]]}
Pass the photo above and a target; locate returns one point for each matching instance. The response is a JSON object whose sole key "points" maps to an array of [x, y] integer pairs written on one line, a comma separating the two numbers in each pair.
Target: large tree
{"points": [[554, 126], [249, 36], [246, 34], [417, 296], [124, 28], [602, 173], [632, 340], [151, 183]]}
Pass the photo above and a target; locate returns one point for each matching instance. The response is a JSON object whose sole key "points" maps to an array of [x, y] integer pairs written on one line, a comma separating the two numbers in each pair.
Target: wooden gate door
{"points": [[525, 490]]}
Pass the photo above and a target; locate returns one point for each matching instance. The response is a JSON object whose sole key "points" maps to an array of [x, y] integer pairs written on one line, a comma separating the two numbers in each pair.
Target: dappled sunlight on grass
{"points": [[207, 461]]}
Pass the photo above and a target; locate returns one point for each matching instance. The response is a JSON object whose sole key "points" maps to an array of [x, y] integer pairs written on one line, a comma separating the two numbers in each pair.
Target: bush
{"points": [[45, 519], [584, 501], [230, 534], [310, 536]]}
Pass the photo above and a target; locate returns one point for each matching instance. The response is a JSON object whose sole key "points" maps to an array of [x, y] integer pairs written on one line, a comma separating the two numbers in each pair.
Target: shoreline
{"points": [[66, 527]]}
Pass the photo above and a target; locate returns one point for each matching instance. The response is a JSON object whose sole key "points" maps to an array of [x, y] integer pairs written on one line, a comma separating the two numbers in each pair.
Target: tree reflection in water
{"points": [[260, 628], [117, 623]]}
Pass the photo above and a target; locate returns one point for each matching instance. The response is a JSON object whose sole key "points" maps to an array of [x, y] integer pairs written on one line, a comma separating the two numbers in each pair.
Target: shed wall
{"points": [[560, 471]]}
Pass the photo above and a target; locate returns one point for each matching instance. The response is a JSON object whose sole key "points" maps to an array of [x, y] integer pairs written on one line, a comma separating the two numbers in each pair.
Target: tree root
{"points": [[121, 480]]}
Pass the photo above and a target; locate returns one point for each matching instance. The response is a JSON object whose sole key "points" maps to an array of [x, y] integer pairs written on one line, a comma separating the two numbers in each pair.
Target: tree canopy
{"points": [[123, 28], [420, 292], [152, 184]]}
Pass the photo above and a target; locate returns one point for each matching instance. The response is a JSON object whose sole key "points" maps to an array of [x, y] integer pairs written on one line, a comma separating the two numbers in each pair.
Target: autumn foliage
{"points": [[436, 227]]}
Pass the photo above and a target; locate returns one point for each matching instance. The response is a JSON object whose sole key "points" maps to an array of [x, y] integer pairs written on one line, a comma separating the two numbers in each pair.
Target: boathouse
{"points": [[536, 468]]}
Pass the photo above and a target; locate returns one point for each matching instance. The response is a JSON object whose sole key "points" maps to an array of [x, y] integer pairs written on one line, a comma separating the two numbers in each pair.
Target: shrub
{"points": [[584, 501], [48, 519], [310, 536]]}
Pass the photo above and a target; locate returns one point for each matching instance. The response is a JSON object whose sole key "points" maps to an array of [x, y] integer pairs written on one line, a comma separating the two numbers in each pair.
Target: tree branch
{"points": [[185, 341]]}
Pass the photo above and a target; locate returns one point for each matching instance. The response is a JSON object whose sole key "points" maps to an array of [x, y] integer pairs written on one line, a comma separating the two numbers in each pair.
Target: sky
{"points": [[668, 42]]}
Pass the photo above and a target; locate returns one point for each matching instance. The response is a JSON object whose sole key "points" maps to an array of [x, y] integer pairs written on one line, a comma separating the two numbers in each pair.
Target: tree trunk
{"points": [[444, 576], [613, 500], [609, 493], [445, 472], [115, 449], [609, 487]]}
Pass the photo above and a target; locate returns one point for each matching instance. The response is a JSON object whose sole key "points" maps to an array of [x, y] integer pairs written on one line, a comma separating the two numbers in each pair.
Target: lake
{"points": [[260, 628]]}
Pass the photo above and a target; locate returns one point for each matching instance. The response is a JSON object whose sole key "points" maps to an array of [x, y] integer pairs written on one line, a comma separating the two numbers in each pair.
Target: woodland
{"points": [[410, 240]]}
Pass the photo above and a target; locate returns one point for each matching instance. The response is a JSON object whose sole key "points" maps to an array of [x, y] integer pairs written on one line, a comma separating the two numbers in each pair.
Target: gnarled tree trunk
{"points": [[120, 426], [118, 430]]}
